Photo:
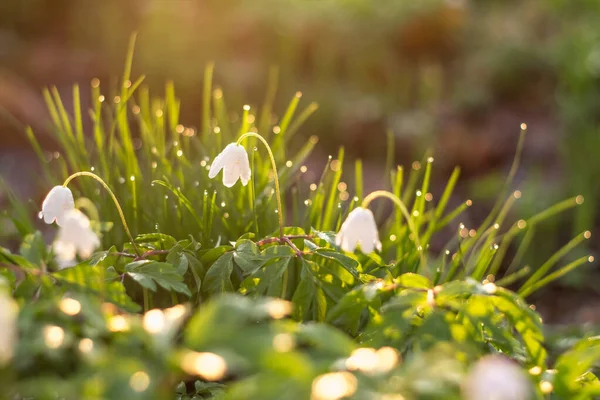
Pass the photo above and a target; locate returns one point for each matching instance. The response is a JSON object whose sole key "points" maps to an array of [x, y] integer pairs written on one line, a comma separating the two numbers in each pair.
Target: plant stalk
{"points": [[274, 165], [384, 193], [114, 198]]}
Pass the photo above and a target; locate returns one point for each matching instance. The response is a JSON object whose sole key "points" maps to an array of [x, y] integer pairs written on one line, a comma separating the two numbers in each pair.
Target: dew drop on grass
{"points": [[196, 183], [154, 164], [121, 180], [152, 184], [223, 204], [132, 178], [92, 169], [179, 153], [166, 196]]}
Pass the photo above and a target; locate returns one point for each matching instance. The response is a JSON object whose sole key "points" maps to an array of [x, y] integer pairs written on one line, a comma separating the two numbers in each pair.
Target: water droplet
{"points": [[179, 153], [223, 204], [92, 169], [121, 180], [196, 183], [166, 196], [132, 178]]}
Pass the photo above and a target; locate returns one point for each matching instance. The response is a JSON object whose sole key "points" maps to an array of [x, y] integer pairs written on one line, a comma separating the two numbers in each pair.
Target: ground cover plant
{"points": [[211, 262]]}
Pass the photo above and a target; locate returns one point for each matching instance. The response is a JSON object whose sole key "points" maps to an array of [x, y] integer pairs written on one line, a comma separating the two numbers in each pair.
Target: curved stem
{"points": [[114, 198], [277, 190], [383, 193]]}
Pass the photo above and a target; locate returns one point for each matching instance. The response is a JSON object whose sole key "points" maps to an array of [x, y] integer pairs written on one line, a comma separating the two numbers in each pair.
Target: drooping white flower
{"points": [[75, 237], [8, 321], [497, 378], [58, 201], [359, 229], [233, 160]]}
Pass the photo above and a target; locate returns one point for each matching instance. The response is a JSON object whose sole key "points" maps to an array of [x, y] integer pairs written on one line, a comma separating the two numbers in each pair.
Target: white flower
{"points": [[58, 201], [8, 321], [497, 378], [359, 229], [75, 237], [233, 160]]}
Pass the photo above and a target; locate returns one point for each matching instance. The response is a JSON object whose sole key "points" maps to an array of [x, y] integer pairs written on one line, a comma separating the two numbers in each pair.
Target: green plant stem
{"points": [[383, 193], [114, 198], [274, 165]]}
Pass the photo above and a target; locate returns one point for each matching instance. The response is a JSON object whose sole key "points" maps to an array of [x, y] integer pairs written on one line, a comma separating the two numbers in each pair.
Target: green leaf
{"points": [[218, 276], [157, 240], [348, 263], [303, 297], [247, 256], [410, 280], [98, 279], [33, 249], [178, 259], [151, 273]]}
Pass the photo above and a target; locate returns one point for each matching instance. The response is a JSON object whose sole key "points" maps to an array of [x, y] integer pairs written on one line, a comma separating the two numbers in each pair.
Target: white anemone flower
{"points": [[8, 321], [497, 378], [233, 160], [58, 201], [75, 237], [359, 229]]}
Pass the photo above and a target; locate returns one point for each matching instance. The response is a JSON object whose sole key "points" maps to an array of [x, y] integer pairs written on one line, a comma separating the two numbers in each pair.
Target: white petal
{"points": [[8, 321], [58, 201], [245, 171], [359, 228], [220, 160], [496, 378], [230, 175], [75, 237]]}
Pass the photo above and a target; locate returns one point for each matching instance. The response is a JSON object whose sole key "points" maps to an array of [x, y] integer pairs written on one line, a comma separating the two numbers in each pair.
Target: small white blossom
{"points": [[359, 229], [75, 237], [8, 321], [497, 378], [233, 160], [58, 201]]}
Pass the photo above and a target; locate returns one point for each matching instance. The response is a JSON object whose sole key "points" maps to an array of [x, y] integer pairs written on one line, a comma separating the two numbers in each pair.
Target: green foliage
{"points": [[247, 314]]}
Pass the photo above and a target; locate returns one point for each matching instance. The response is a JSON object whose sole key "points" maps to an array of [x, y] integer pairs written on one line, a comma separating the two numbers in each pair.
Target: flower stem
{"points": [[274, 165], [384, 193], [114, 198]]}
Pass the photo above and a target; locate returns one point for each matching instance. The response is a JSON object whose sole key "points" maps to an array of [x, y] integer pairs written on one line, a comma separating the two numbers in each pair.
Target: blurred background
{"points": [[455, 77]]}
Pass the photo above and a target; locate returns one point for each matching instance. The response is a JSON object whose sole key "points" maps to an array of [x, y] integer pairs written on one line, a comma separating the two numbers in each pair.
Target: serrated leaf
{"points": [[303, 297], [218, 276], [160, 273]]}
